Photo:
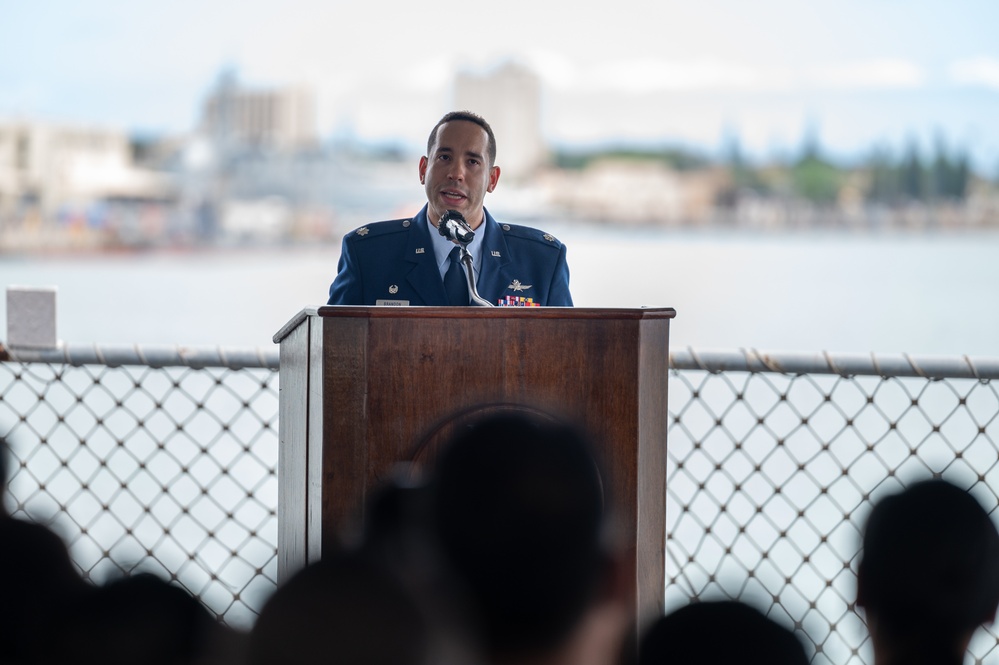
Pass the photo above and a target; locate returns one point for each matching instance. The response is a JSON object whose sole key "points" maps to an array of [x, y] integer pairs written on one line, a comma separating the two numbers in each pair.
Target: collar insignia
{"points": [[495, 253], [549, 237], [419, 250], [515, 285], [363, 231]]}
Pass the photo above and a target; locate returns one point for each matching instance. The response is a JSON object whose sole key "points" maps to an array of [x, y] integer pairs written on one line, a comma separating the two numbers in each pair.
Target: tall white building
{"points": [[509, 98], [280, 118], [47, 166]]}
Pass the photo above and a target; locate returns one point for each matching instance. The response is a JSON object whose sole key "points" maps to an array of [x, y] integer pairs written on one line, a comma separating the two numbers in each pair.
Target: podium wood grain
{"points": [[366, 388]]}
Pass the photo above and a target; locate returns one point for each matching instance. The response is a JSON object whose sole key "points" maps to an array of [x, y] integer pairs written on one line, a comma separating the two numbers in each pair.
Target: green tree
{"points": [[813, 176], [958, 185], [912, 173], [883, 176]]}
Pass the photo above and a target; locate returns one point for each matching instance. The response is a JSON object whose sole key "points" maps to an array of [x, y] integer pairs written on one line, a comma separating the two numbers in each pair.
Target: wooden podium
{"points": [[364, 388]]}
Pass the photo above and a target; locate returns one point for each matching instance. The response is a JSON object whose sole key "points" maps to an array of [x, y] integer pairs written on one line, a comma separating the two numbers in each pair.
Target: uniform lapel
{"points": [[495, 258], [424, 276]]}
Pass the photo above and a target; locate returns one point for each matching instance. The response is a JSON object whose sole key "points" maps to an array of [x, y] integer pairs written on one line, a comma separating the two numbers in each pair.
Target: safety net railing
{"points": [[775, 460], [152, 459], [164, 459]]}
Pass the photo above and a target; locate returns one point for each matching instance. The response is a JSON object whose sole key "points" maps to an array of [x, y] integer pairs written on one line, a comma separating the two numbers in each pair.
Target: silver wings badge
{"points": [[515, 285]]}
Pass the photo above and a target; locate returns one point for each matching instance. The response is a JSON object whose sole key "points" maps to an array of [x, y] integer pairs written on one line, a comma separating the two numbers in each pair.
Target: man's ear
{"points": [[423, 170], [494, 174]]}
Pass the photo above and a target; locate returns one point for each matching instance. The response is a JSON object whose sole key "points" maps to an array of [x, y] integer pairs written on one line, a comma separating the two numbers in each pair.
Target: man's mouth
{"points": [[453, 196]]}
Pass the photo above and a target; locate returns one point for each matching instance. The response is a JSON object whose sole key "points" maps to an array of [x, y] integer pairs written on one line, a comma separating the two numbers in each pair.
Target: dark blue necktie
{"points": [[454, 280]]}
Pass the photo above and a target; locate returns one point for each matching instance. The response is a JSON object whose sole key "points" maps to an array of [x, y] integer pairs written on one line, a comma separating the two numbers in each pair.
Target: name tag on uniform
{"points": [[393, 303]]}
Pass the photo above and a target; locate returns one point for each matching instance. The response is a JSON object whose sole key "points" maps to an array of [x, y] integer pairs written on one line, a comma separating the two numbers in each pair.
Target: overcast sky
{"points": [[855, 71]]}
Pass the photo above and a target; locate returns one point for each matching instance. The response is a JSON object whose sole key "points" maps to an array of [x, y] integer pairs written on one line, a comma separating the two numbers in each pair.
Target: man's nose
{"points": [[457, 171]]}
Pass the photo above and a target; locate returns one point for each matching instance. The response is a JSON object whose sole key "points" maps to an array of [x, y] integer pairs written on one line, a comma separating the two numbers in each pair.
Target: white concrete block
{"points": [[31, 317]]}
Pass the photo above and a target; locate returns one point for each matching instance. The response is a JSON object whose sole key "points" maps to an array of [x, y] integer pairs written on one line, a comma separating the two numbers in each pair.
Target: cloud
{"points": [[884, 73], [640, 76], [983, 71], [557, 70], [432, 74], [650, 75]]}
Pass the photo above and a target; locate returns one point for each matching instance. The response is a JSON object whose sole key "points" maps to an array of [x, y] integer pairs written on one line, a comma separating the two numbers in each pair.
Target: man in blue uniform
{"points": [[406, 261]]}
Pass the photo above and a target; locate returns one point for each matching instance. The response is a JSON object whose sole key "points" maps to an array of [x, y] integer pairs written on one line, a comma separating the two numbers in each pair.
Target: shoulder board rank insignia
{"points": [[363, 231], [515, 285], [549, 237]]}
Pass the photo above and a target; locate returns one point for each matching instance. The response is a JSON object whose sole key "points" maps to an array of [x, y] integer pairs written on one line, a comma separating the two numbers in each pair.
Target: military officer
{"points": [[406, 261]]}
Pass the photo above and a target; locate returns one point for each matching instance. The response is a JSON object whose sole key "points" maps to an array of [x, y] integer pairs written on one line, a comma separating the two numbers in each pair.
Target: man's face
{"points": [[456, 173]]}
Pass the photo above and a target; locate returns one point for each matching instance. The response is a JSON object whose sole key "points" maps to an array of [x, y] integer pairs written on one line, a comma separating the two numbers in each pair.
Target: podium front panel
{"points": [[389, 384]]}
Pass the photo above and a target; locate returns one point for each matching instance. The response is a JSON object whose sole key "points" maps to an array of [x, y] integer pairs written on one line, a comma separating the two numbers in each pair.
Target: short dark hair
{"points": [[4, 452], [518, 509], [3, 467], [349, 604], [930, 561], [466, 116], [690, 635]]}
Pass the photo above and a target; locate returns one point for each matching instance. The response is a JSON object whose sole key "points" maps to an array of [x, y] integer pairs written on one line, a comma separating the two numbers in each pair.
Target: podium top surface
{"points": [[579, 313]]}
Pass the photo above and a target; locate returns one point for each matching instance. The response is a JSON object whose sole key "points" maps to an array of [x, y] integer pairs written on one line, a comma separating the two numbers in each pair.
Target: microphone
{"points": [[453, 226]]}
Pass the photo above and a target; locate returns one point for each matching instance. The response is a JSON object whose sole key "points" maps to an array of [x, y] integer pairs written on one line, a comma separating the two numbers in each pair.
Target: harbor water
{"points": [[921, 293]]}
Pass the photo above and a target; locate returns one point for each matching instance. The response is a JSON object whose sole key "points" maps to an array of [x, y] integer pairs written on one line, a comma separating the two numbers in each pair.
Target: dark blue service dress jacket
{"points": [[393, 263]]}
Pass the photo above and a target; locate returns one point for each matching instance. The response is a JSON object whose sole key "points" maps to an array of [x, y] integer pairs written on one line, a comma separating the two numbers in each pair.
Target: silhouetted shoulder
{"points": [[530, 234], [379, 229], [40, 556]]}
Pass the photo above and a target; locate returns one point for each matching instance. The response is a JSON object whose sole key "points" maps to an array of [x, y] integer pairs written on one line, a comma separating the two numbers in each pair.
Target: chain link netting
{"points": [[770, 478], [164, 470]]}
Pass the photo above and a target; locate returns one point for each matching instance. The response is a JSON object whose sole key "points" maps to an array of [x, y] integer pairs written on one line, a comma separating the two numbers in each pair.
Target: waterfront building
{"points": [[235, 116], [509, 97], [52, 165]]}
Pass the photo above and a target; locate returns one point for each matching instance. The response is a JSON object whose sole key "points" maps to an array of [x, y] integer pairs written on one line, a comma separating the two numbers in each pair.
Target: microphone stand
{"points": [[466, 260], [453, 226]]}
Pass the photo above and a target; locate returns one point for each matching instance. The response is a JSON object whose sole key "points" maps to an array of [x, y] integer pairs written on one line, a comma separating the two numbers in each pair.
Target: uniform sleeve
{"points": [[558, 294], [346, 289]]}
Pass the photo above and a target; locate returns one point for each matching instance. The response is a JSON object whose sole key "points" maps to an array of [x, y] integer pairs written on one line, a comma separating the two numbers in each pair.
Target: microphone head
{"points": [[449, 216], [452, 225]]}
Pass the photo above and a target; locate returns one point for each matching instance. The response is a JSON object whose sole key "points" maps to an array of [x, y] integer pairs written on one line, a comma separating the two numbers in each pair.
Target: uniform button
{"points": [[405, 224], [506, 227]]}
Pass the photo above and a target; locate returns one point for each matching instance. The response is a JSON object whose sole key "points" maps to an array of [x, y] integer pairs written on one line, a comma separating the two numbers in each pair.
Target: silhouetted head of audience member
{"points": [[929, 573], [394, 516], [347, 609], [143, 618], [517, 506], [724, 632], [37, 578], [3, 476]]}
